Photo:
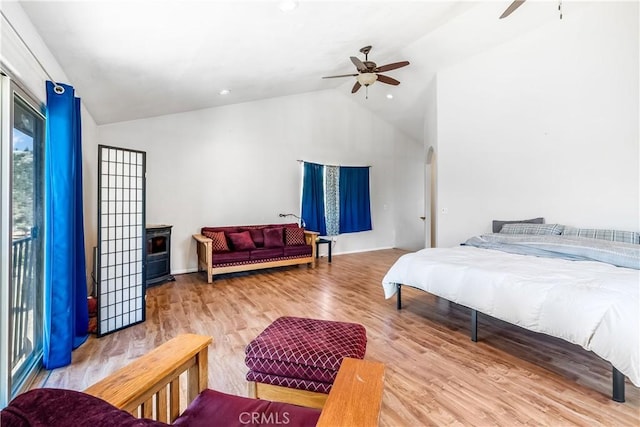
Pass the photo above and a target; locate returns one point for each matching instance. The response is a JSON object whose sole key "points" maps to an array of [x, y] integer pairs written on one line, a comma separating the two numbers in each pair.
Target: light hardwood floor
{"points": [[435, 375]]}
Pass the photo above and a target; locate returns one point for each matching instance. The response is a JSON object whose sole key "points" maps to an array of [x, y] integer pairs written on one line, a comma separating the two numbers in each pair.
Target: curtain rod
{"points": [[304, 161], [58, 89]]}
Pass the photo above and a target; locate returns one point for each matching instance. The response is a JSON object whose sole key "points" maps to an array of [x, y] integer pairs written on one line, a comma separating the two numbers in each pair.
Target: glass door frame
{"points": [[9, 91]]}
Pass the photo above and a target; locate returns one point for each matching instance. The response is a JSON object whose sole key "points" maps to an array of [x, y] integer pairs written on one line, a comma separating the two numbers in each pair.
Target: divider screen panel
{"points": [[121, 272]]}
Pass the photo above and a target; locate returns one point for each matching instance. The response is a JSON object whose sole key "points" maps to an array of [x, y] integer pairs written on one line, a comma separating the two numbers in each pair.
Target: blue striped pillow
{"points": [[604, 234], [531, 229]]}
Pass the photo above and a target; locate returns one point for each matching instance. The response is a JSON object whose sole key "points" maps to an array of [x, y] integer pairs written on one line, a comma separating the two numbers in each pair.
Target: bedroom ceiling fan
{"points": [[517, 3], [512, 7], [369, 72]]}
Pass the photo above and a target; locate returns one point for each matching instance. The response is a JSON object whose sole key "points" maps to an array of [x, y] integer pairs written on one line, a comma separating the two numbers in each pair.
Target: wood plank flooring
{"points": [[435, 374]]}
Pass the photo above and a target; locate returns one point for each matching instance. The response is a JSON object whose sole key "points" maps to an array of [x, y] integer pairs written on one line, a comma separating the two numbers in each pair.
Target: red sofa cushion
{"points": [[229, 257], [212, 408], [273, 237], [266, 253], [241, 241], [299, 250], [294, 236], [219, 241], [257, 237]]}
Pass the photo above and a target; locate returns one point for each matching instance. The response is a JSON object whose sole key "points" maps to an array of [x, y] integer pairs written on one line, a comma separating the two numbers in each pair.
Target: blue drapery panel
{"points": [[313, 198], [66, 314], [355, 204]]}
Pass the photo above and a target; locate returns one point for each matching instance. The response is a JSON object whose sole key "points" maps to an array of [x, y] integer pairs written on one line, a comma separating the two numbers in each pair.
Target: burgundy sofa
{"points": [[231, 249]]}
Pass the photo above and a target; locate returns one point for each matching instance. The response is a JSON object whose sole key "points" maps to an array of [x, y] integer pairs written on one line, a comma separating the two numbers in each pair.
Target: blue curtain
{"points": [[355, 204], [66, 314], [313, 198]]}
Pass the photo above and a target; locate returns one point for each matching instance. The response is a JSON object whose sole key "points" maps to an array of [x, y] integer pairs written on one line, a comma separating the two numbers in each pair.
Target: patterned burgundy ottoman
{"points": [[303, 353]]}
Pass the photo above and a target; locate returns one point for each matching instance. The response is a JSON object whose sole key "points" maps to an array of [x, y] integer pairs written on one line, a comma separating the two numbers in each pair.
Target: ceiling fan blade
{"points": [[393, 66], [513, 6], [342, 75], [359, 64], [388, 80], [356, 87]]}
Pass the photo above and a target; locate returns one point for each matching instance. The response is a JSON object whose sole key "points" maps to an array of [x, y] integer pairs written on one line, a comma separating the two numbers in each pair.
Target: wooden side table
{"points": [[321, 241]]}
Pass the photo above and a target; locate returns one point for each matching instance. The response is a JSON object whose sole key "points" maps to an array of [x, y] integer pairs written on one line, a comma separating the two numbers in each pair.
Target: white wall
{"points": [[20, 63], [546, 125], [237, 165]]}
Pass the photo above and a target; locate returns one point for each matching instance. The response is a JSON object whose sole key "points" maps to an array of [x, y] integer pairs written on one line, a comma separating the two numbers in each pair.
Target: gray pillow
{"points": [[604, 234], [521, 228], [497, 224]]}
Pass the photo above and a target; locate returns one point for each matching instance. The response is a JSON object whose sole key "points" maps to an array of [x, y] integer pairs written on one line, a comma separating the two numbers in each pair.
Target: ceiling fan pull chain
{"points": [[560, 8]]}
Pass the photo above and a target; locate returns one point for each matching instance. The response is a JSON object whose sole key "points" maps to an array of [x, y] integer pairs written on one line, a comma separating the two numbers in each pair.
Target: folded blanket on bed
{"points": [[559, 246]]}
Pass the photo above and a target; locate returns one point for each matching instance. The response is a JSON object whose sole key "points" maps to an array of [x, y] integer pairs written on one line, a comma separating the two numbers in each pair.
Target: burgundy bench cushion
{"points": [[45, 407], [229, 257], [299, 251], [266, 253], [307, 349], [212, 408]]}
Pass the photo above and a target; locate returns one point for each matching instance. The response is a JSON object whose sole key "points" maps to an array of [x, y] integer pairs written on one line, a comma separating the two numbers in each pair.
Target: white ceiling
{"points": [[137, 59]]}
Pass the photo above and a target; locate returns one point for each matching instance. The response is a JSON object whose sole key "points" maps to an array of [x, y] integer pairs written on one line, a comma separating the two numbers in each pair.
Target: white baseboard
{"points": [[185, 271], [358, 251]]}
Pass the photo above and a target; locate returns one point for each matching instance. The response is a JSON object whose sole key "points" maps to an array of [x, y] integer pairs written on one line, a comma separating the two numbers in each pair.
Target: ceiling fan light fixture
{"points": [[224, 92], [366, 79], [288, 5]]}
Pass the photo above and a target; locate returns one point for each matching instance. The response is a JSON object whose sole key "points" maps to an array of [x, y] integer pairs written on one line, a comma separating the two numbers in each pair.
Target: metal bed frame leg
{"points": [[399, 297], [474, 325], [618, 386]]}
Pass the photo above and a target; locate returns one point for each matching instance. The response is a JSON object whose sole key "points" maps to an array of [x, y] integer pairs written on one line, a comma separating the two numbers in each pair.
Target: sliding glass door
{"points": [[23, 198]]}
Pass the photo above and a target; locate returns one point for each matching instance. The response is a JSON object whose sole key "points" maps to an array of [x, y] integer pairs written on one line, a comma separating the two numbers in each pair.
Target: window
{"points": [[21, 203], [336, 199]]}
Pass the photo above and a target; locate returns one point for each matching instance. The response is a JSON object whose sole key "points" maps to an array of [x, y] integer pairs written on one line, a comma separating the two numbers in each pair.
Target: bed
{"points": [[583, 290]]}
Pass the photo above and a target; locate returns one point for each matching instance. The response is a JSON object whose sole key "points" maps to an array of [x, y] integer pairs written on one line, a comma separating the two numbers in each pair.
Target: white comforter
{"points": [[592, 304]]}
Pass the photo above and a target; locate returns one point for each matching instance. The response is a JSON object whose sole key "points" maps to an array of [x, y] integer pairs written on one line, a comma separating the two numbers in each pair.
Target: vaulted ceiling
{"points": [[142, 58]]}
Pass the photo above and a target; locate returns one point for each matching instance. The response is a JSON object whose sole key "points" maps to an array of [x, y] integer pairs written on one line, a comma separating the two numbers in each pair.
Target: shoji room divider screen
{"points": [[121, 274]]}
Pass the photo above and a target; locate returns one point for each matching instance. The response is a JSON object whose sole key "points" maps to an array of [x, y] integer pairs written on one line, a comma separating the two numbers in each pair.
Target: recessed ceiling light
{"points": [[224, 92], [389, 96], [287, 5]]}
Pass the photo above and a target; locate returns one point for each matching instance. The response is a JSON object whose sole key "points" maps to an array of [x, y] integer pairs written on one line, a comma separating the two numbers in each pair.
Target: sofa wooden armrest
{"points": [[204, 249], [142, 387]]}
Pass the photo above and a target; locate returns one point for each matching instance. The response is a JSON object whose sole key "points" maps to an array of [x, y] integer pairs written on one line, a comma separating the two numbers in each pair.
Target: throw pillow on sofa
{"points": [[273, 237], [242, 241], [257, 237], [219, 241], [294, 236]]}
